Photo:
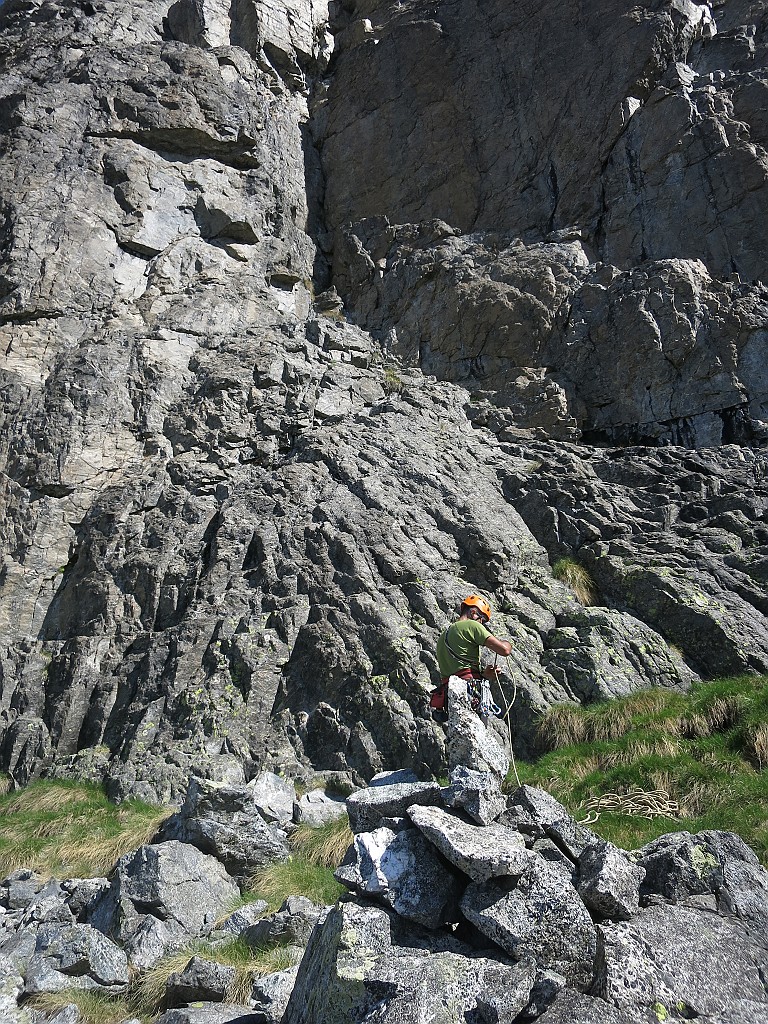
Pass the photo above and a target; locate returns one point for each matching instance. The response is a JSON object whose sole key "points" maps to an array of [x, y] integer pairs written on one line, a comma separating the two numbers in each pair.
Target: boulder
{"points": [[678, 961], [366, 964], [375, 806], [536, 915], [469, 743], [609, 883], [270, 995], [161, 897], [571, 1007], [243, 918], [201, 981], [476, 793], [553, 820], [481, 852], [273, 796], [226, 822], [11, 988], [292, 924], [317, 807], [209, 1013], [68, 1014], [75, 957], [394, 778], [402, 870]]}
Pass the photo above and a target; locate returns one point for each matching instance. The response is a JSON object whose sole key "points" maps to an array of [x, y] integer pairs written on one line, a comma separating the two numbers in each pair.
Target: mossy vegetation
{"points": [[70, 829], [659, 761]]}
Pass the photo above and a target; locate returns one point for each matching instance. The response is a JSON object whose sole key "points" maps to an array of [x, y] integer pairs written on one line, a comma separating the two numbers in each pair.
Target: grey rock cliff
{"points": [[316, 317]]}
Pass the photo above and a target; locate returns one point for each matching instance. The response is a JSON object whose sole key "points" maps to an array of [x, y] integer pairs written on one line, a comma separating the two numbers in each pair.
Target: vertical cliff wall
{"points": [[315, 318]]}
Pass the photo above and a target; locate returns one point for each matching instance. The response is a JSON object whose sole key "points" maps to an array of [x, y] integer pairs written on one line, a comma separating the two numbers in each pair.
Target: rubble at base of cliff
{"points": [[452, 915]]}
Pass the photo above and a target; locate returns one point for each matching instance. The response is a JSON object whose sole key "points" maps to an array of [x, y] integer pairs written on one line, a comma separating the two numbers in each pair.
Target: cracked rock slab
{"points": [[481, 852]]}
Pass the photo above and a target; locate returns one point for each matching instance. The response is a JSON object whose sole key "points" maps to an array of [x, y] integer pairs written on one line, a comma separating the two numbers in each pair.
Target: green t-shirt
{"points": [[465, 638]]}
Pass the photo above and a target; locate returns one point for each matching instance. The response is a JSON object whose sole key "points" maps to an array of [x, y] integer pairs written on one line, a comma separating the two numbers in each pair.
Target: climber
{"points": [[458, 649]]}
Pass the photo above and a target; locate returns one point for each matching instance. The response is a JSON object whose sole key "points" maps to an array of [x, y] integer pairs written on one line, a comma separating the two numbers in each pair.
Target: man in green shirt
{"points": [[458, 648]]}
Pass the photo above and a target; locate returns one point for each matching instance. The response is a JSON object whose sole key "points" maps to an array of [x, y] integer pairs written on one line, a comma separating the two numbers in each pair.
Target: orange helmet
{"points": [[475, 601]]}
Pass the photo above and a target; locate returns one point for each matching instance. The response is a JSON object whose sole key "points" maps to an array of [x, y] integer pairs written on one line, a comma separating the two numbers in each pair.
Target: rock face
{"points": [[316, 317]]}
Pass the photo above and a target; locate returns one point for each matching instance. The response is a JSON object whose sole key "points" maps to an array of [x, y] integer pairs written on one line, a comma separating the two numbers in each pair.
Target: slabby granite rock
{"points": [[608, 881], [161, 897], [209, 1013], [476, 793], [470, 744], [273, 796], [536, 915], [270, 995], [200, 981], [292, 924], [364, 960], [243, 918], [226, 822], [11, 988], [317, 807], [375, 806], [75, 957], [571, 1007], [480, 852], [553, 820], [402, 870], [683, 961]]}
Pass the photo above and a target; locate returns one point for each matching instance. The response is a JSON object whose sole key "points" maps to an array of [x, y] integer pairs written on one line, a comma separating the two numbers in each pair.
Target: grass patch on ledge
{"points": [[70, 829], [309, 870], [704, 754]]}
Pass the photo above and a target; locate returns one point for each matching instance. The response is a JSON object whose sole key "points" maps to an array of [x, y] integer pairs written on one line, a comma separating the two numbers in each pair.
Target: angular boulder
{"points": [[571, 1007], [609, 883], [370, 808], [365, 964], [201, 981], [161, 897], [481, 852], [677, 961], [226, 822], [270, 995], [469, 743], [78, 956], [317, 807], [537, 915], [553, 819], [402, 870], [292, 924], [476, 793], [273, 796]]}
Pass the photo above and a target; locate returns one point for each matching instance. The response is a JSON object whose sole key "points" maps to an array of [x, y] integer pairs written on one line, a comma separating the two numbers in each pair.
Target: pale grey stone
{"points": [[536, 915], [364, 960], [201, 981], [292, 924], [609, 883], [402, 870], [317, 808], [480, 852], [368, 808], [161, 897], [675, 957], [75, 957], [243, 918], [274, 796], [477, 793], [470, 744], [270, 995]]}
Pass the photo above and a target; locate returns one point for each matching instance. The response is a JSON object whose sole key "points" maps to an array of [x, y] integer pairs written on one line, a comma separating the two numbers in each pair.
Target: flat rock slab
{"points": [[317, 807], [369, 808], [538, 916], [675, 957], [365, 965], [571, 1007], [481, 852], [271, 993], [212, 1013], [402, 870], [201, 981]]}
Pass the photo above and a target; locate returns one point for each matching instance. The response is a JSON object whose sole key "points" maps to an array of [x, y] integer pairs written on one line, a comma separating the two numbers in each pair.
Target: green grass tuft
{"points": [[70, 829], [574, 575], [695, 761]]}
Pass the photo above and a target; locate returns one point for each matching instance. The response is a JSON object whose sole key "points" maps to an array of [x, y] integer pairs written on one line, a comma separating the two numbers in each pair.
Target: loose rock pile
{"points": [[461, 915], [100, 933]]}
